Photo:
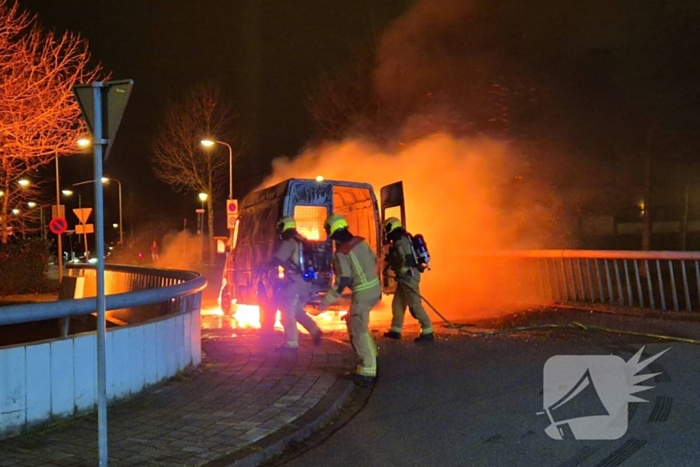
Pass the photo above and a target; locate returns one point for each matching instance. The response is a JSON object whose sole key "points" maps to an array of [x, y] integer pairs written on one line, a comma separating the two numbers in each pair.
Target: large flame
{"points": [[248, 317]]}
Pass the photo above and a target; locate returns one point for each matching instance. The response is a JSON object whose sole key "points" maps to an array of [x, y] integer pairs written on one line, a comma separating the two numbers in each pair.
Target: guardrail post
{"points": [[639, 283], [662, 289], [611, 291], [686, 290], [649, 284], [629, 284], [590, 280], [620, 295], [600, 281], [674, 293]]}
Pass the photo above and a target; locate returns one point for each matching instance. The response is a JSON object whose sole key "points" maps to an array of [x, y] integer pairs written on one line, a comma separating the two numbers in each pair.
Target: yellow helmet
{"points": [[333, 223], [285, 224], [391, 224]]}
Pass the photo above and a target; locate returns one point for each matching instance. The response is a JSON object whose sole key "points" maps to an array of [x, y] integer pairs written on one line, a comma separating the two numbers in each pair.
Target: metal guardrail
{"points": [[177, 289], [660, 280]]}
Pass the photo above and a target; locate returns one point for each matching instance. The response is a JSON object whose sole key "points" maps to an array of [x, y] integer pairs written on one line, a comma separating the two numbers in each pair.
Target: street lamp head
{"points": [[23, 182], [31, 204], [203, 197], [105, 180], [208, 143], [115, 225], [84, 142], [67, 192], [15, 211]]}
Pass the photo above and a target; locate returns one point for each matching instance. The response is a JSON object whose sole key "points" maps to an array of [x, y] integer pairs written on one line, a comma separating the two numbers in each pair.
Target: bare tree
{"points": [[180, 160], [39, 117]]}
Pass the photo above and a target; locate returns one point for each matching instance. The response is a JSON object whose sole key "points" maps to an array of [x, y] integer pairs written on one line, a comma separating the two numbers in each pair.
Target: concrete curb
{"points": [[268, 447]]}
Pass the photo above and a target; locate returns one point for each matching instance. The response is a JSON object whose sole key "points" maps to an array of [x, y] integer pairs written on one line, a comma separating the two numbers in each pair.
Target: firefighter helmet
{"points": [[391, 224], [285, 224], [334, 223]]}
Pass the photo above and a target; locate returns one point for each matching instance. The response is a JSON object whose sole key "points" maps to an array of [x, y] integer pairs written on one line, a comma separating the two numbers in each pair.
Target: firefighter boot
{"points": [[285, 349], [429, 337], [364, 381], [393, 335]]}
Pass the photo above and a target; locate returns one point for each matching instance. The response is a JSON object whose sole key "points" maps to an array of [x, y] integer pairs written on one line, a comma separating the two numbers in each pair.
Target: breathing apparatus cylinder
{"points": [[307, 269], [422, 254]]}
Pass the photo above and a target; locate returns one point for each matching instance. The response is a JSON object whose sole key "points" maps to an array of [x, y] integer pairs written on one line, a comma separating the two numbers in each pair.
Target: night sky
{"points": [[583, 91], [266, 57]]}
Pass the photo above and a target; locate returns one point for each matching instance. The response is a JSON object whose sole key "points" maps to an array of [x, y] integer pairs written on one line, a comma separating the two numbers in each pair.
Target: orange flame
{"points": [[248, 317], [311, 233]]}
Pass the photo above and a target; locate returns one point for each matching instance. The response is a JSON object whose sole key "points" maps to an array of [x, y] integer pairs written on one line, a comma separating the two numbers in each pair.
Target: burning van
{"points": [[247, 280]]}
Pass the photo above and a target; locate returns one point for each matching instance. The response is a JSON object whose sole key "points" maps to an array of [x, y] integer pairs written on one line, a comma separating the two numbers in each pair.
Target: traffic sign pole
{"points": [[97, 145], [60, 237], [231, 216], [103, 121]]}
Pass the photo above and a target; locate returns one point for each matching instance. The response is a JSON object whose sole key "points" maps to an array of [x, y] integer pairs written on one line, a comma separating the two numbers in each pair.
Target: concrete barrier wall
{"points": [[49, 380]]}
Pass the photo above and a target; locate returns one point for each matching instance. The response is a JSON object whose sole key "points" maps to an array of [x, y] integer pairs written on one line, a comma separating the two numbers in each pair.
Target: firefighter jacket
{"points": [[400, 257], [287, 255], [355, 267]]}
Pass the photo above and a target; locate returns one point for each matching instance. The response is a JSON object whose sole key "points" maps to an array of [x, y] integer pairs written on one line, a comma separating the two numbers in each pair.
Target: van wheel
{"points": [[267, 310], [225, 300]]}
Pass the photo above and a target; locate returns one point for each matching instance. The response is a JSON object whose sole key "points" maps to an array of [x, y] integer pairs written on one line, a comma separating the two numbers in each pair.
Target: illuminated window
{"points": [[310, 221]]}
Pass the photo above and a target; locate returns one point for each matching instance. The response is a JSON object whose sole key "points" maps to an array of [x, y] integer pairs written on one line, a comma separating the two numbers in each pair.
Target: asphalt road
{"points": [[471, 400]]}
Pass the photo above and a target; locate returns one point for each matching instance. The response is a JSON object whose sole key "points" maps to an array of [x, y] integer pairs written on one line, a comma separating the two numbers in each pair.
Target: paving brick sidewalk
{"points": [[243, 395]]}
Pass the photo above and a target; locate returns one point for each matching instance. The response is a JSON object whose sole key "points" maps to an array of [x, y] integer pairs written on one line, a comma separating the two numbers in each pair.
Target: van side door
{"points": [[392, 205]]}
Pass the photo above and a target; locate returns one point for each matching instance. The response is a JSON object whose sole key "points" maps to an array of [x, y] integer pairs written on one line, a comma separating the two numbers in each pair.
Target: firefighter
{"points": [[402, 262], [293, 291], [354, 266]]}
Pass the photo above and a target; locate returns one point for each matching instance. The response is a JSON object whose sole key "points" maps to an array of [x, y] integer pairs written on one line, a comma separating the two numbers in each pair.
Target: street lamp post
{"points": [[121, 229], [202, 197], [208, 143]]}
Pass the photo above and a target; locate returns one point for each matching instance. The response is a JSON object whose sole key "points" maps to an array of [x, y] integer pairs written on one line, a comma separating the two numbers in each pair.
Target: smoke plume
{"points": [[462, 194]]}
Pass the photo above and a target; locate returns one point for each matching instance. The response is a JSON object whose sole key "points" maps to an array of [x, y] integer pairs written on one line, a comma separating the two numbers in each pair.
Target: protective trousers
{"points": [[292, 310], [408, 294], [358, 329]]}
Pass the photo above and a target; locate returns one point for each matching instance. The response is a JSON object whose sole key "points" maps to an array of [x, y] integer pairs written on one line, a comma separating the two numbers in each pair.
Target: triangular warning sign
{"points": [[118, 93], [84, 94], [113, 98], [82, 214]]}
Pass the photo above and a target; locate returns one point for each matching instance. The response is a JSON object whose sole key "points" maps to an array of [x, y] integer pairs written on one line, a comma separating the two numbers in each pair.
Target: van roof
{"points": [[280, 190]]}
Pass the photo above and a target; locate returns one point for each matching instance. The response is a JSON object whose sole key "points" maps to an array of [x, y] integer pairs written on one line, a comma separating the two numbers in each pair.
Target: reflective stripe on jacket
{"points": [[355, 267]]}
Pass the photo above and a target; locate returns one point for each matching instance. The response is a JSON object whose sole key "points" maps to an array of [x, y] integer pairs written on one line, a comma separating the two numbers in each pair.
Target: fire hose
{"points": [[571, 325], [449, 323]]}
